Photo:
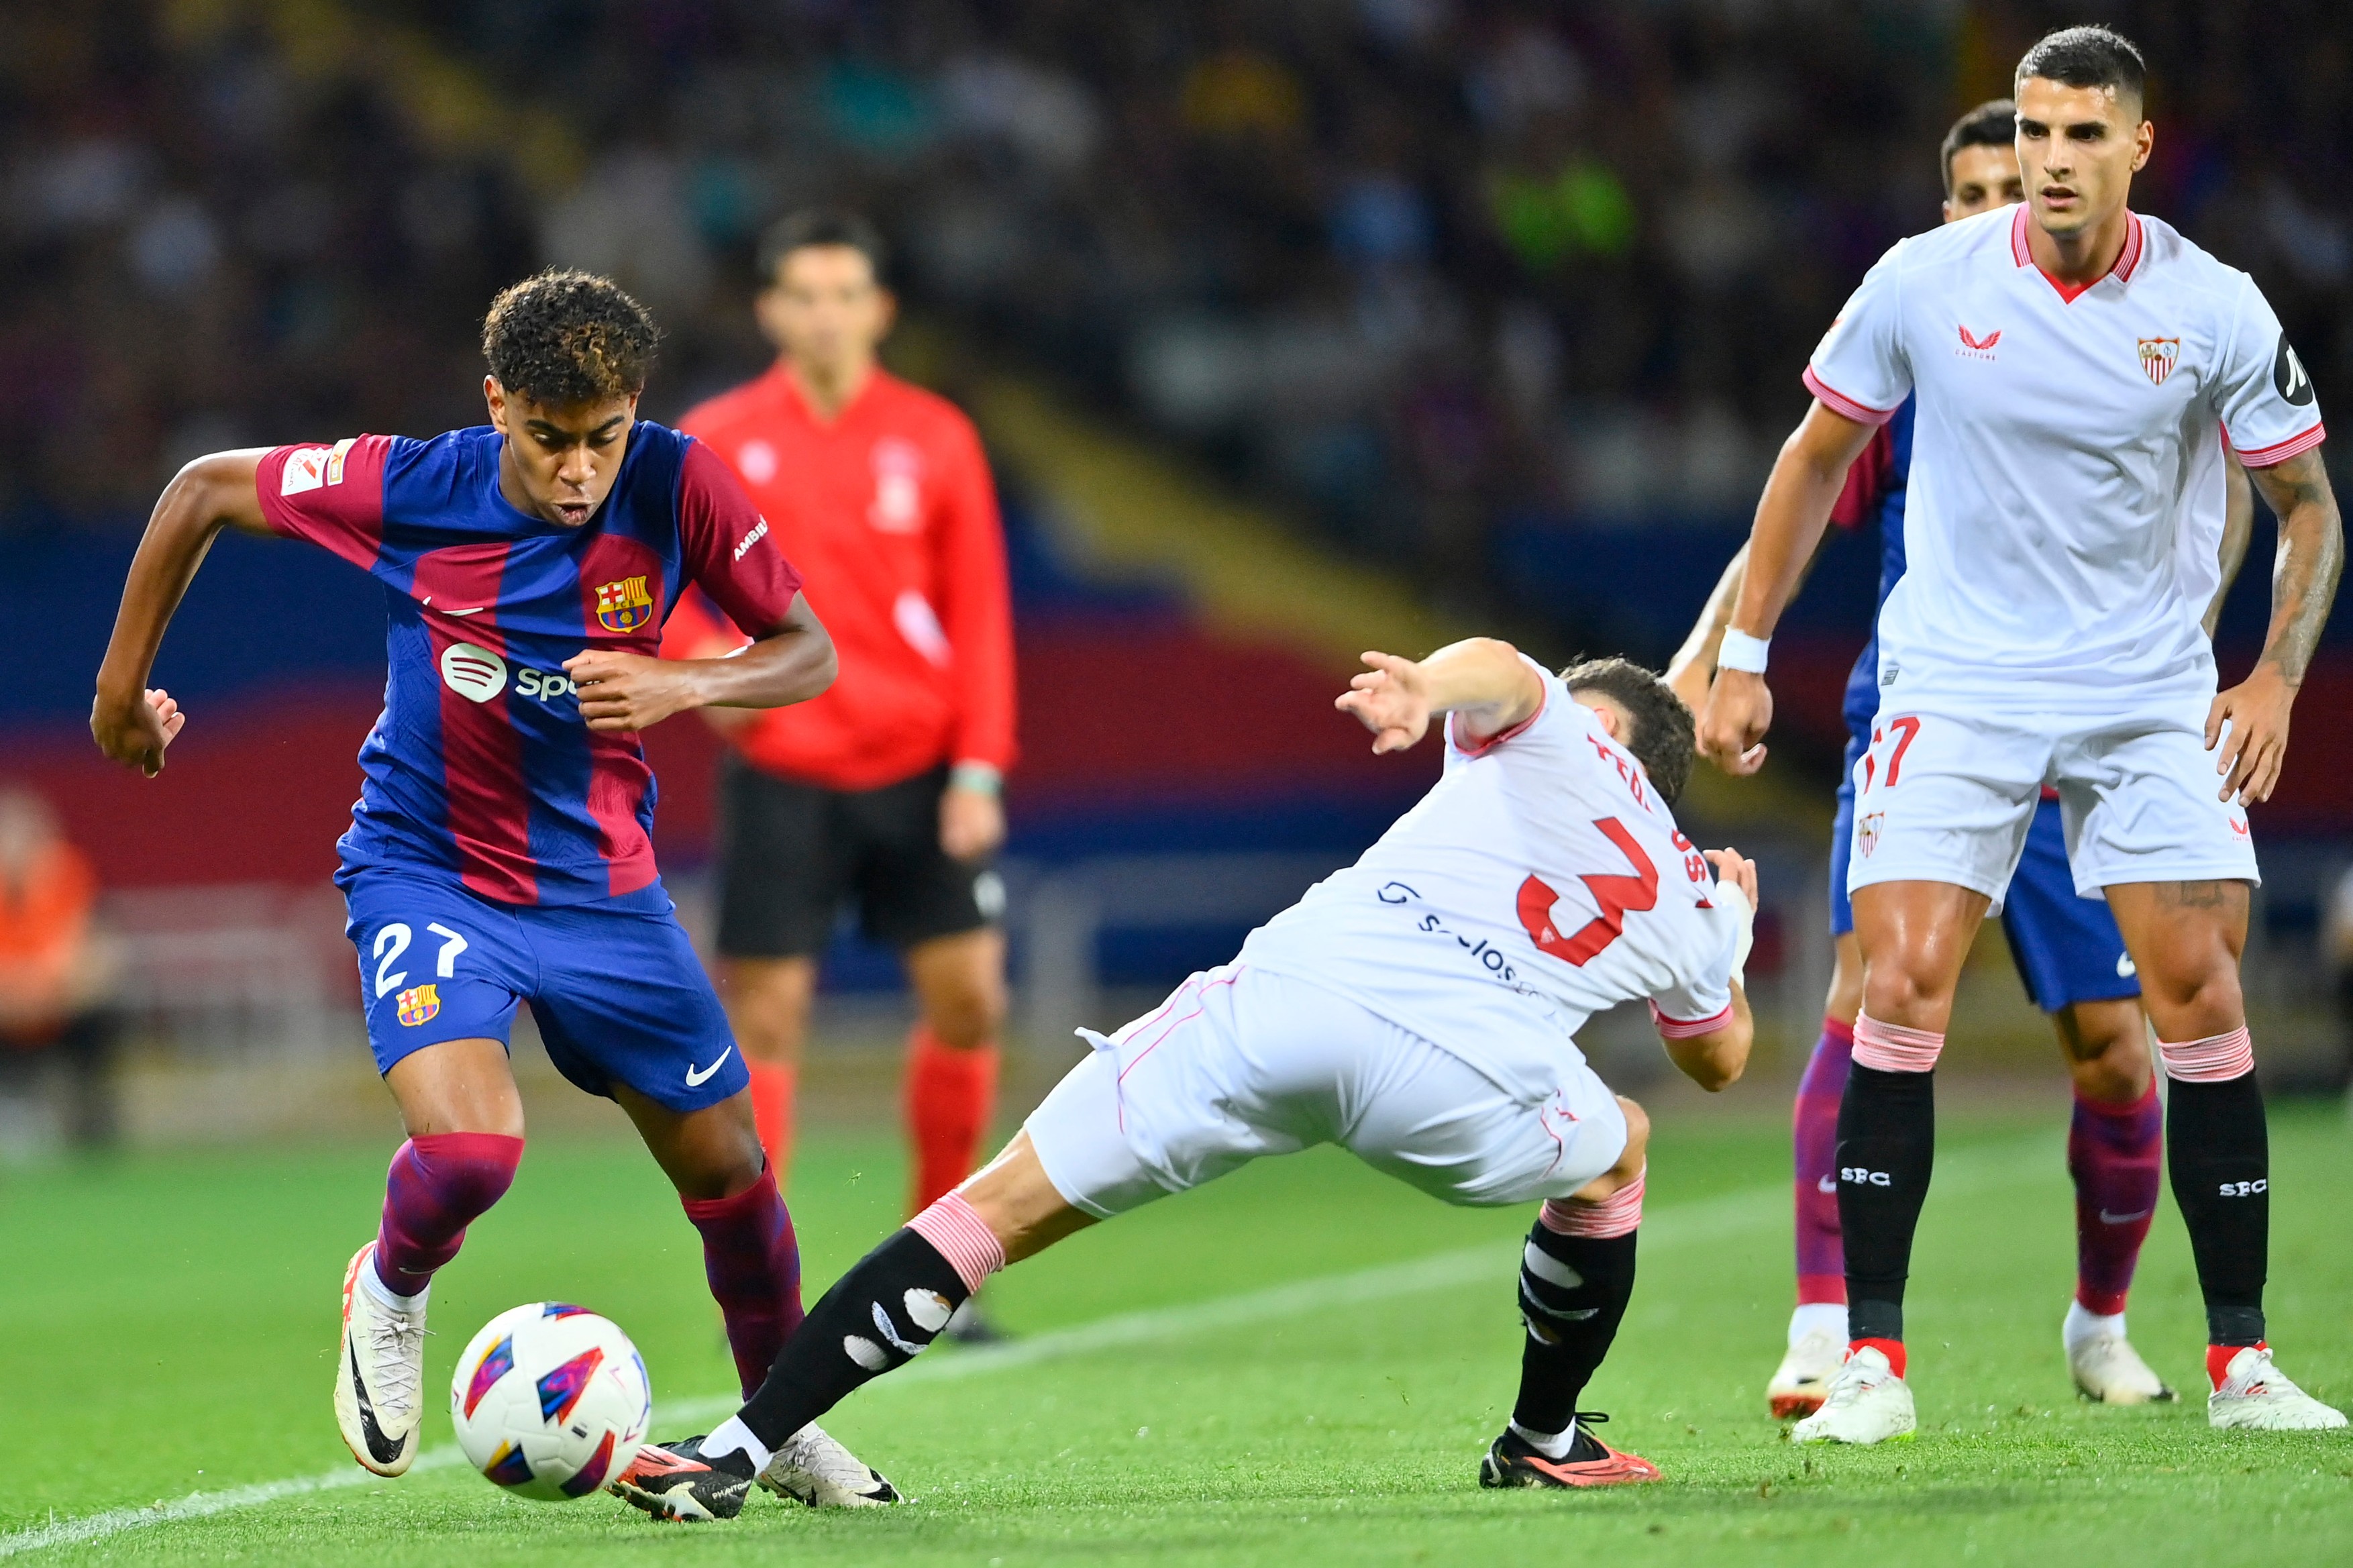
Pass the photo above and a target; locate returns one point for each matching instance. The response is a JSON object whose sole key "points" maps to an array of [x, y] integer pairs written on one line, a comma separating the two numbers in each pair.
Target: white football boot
{"points": [[812, 1468], [1802, 1380], [380, 1376], [2256, 1396], [2109, 1371], [1867, 1403]]}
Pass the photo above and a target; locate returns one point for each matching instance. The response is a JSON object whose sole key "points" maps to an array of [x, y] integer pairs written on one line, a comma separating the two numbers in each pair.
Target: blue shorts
{"points": [[616, 989], [2067, 949]]}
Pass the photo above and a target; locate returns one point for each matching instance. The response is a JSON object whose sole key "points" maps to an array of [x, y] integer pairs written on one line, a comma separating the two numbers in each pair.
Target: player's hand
{"points": [[1391, 700], [135, 731], [1690, 682], [972, 823], [1733, 866], [629, 690], [1732, 728], [2256, 710]]}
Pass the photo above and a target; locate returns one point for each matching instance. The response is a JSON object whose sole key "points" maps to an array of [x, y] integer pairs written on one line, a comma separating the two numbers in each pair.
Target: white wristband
{"points": [[1740, 651]]}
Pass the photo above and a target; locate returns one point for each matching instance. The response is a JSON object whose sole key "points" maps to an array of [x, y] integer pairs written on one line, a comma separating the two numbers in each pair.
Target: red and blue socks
{"points": [[440, 1184], [2114, 1152], [951, 1097], [753, 1261], [1813, 1125]]}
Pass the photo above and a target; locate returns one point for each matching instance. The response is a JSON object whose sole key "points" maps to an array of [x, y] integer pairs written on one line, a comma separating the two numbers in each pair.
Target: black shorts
{"points": [[791, 854]]}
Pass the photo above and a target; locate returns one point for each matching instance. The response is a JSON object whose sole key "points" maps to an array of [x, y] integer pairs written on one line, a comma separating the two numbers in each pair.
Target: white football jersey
{"points": [[2064, 510], [1539, 881]]}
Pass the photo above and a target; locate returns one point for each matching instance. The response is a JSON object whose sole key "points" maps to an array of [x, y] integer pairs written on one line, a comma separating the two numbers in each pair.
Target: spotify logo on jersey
{"points": [[473, 672]]}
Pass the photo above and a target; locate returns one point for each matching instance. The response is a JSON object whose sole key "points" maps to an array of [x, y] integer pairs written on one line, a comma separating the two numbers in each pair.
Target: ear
{"points": [[1613, 720], [2145, 135], [496, 397]]}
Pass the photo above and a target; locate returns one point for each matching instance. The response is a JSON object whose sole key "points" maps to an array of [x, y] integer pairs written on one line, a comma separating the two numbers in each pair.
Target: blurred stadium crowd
{"points": [[1509, 297], [1438, 271]]}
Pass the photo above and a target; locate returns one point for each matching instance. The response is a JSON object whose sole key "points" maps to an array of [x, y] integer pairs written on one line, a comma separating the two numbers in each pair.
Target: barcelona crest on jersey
{"points": [[417, 1004], [625, 605]]}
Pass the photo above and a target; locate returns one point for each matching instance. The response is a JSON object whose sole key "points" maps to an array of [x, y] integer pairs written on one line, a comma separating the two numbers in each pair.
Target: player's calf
{"points": [[1577, 1275], [437, 1185]]}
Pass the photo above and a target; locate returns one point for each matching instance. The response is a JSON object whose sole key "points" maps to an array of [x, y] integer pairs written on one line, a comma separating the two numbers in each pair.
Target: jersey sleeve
{"points": [[730, 553], [331, 495], [1700, 1002], [1860, 368], [1556, 696], [2268, 407]]}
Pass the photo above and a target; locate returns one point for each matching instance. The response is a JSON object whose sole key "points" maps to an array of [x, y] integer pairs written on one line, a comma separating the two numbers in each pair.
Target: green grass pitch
{"points": [[1298, 1365]]}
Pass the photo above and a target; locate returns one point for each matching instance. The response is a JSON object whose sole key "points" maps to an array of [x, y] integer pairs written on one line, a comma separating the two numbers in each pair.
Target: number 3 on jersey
{"points": [[1617, 896]]}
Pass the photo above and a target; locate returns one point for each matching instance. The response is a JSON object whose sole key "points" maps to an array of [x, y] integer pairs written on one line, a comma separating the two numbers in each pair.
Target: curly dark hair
{"points": [[563, 339], [1664, 740]]}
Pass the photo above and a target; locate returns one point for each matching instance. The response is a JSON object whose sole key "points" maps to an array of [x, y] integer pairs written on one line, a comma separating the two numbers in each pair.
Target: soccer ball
{"points": [[550, 1401]]}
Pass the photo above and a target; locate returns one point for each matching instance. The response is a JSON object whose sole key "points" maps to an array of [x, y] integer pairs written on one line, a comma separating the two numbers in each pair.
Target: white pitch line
{"points": [[1675, 1226]]}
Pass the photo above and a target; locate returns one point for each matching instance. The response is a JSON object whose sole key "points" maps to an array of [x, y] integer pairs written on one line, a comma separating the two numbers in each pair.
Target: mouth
{"points": [[2059, 196], [572, 513]]}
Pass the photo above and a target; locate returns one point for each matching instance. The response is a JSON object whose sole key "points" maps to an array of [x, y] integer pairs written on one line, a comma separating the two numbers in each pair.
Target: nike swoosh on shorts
{"points": [[2106, 1217], [697, 1079]]}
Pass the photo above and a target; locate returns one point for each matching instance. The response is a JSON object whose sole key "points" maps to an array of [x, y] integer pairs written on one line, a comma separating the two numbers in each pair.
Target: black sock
{"points": [[876, 1318], [1573, 1292], [1886, 1147], [2218, 1155]]}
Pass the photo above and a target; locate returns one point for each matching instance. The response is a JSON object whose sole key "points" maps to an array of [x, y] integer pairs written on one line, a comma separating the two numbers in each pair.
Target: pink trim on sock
{"points": [[963, 1237], [1617, 1214], [1891, 1047], [2217, 1058]]}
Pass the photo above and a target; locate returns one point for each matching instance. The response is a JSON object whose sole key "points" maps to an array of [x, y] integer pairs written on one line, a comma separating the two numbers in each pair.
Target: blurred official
{"points": [[883, 792]]}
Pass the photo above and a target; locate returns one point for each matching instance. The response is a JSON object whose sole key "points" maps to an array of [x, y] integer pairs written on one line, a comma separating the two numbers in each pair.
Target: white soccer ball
{"points": [[550, 1401]]}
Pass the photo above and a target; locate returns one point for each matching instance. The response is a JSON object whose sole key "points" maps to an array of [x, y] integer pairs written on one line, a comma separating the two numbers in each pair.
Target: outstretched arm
{"points": [[794, 662], [2304, 586], [132, 724], [1790, 517], [1693, 669], [1483, 679], [2238, 527]]}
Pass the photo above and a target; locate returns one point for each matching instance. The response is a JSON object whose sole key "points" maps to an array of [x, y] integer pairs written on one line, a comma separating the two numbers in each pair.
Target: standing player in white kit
{"points": [[1419, 1008], [2077, 369]]}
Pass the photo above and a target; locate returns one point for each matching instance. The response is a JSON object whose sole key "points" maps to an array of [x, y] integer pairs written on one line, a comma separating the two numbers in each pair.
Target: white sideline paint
{"points": [[1676, 1226]]}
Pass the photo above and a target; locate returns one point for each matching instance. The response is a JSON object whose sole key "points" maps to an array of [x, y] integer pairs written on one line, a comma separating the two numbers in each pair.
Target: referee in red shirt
{"points": [[884, 790]]}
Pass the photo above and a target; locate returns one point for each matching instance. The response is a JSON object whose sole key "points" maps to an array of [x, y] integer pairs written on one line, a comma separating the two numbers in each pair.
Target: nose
{"points": [[577, 467]]}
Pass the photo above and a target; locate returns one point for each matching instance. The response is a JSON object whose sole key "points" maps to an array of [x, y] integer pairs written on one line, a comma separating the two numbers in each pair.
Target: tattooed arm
{"points": [[2304, 586], [2238, 527]]}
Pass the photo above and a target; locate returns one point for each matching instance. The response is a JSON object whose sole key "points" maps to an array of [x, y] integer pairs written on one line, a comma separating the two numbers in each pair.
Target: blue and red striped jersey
{"points": [[481, 768]]}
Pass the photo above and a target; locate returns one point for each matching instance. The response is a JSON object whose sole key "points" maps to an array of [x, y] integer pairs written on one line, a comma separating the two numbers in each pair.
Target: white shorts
{"points": [[1944, 797], [1240, 1063]]}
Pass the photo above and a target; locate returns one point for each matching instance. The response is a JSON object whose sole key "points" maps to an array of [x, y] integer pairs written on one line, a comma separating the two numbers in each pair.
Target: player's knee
{"points": [[2107, 1050], [968, 1013], [2195, 1000], [768, 1005], [1637, 1152]]}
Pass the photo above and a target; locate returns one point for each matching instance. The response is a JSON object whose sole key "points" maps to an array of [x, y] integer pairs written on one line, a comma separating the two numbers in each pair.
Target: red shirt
{"points": [[889, 516]]}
